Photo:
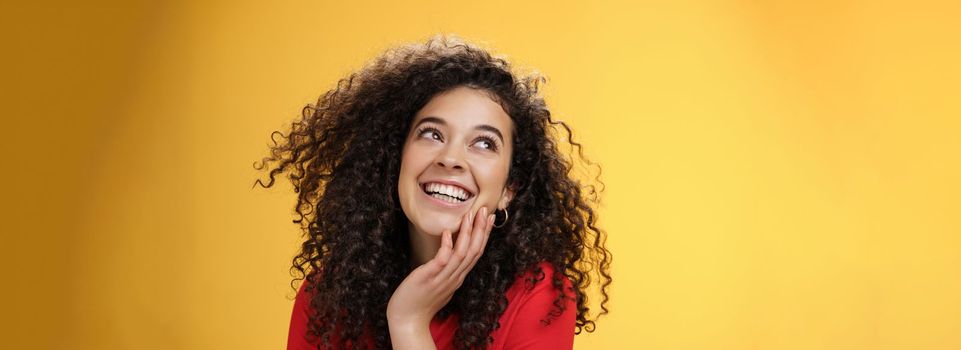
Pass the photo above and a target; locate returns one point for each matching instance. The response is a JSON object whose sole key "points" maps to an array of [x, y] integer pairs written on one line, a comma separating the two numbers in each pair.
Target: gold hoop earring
{"points": [[506, 216]]}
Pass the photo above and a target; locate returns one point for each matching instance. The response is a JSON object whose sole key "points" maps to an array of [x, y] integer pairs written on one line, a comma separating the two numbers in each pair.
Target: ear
{"points": [[506, 197]]}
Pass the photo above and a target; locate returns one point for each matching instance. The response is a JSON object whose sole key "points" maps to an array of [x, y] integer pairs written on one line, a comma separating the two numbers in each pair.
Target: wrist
{"points": [[407, 323], [409, 334]]}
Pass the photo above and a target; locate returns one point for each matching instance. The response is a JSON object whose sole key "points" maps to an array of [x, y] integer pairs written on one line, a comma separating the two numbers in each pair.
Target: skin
{"points": [[452, 138]]}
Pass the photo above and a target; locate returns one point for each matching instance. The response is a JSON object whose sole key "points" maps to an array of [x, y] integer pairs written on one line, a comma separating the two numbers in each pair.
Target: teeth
{"points": [[451, 191], [445, 198]]}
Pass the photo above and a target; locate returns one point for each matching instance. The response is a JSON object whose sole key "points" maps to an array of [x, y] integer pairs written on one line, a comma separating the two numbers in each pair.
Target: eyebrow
{"points": [[484, 127]]}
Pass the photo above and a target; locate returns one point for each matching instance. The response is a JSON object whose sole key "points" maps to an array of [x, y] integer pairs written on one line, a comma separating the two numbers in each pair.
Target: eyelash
{"points": [[493, 145], [490, 141], [422, 130]]}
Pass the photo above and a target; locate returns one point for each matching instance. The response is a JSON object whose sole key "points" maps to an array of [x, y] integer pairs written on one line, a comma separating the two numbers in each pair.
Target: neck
{"points": [[423, 246]]}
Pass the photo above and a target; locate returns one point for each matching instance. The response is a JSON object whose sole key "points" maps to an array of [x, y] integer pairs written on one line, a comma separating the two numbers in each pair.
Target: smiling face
{"points": [[456, 159]]}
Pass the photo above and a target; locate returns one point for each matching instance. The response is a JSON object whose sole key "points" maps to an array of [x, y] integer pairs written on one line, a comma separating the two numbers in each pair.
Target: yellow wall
{"points": [[779, 176]]}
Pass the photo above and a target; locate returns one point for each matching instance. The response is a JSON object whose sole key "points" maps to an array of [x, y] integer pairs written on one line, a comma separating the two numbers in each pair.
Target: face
{"points": [[455, 160]]}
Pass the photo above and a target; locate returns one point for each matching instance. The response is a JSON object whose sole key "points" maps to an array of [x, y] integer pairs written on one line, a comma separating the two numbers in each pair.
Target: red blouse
{"points": [[520, 324]]}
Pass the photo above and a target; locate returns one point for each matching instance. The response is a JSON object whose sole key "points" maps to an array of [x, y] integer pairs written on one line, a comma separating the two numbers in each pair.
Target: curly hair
{"points": [[350, 142]]}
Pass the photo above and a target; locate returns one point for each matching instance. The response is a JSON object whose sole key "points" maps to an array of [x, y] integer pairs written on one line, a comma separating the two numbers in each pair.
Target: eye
{"points": [[429, 132], [486, 143]]}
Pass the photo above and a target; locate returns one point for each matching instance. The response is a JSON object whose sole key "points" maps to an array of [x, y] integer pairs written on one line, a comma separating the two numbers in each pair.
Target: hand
{"points": [[430, 286]]}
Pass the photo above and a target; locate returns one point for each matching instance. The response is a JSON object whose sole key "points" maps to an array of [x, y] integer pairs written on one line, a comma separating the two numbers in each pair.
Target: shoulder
{"points": [[539, 315], [304, 300], [299, 334], [539, 278], [306, 291], [299, 318]]}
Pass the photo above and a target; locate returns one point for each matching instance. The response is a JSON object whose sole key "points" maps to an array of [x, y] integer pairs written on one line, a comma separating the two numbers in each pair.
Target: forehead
{"points": [[465, 107]]}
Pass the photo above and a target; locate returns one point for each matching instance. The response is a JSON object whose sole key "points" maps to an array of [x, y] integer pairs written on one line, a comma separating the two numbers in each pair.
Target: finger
{"points": [[476, 229], [477, 238], [429, 270], [442, 257], [478, 250], [480, 232], [490, 226], [490, 222], [487, 236], [470, 218], [483, 247], [459, 251]]}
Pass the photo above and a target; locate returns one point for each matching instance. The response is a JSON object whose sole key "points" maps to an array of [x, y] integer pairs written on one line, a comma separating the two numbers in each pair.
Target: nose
{"points": [[450, 158]]}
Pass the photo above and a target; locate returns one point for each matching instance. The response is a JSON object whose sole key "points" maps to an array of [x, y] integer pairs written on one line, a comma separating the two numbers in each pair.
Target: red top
{"points": [[520, 324]]}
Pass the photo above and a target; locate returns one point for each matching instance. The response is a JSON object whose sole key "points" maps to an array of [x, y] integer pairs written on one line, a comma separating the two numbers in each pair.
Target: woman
{"points": [[437, 210]]}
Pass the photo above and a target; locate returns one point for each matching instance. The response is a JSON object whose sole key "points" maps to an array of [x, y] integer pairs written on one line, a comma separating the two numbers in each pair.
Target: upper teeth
{"points": [[449, 190]]}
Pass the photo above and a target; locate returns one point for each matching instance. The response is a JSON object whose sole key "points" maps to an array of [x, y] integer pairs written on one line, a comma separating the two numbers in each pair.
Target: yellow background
{"points": [[780, 175]]}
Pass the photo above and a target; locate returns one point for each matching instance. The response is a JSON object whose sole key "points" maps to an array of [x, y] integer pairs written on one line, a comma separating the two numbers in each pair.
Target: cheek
{"points": [[413, 162], [410, 161], [491, 180], [407, 174]]}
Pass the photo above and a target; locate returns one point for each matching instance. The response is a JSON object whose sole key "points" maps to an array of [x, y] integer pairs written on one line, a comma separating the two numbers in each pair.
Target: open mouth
{"points": [[447, 193]]}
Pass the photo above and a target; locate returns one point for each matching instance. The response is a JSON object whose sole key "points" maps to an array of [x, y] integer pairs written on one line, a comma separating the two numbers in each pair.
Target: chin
{"points": [[437, 227]]}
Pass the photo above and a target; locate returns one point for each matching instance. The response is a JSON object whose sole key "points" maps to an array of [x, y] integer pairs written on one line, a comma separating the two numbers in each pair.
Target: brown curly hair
{"points": [[350, 142]]}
